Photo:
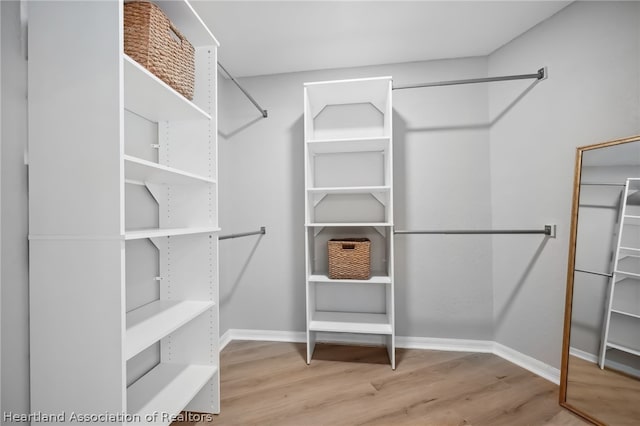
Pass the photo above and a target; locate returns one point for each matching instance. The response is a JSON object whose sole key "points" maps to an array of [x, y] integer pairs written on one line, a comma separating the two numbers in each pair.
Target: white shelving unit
{"points": [[123, 220], [622, 313], [349, 193]]}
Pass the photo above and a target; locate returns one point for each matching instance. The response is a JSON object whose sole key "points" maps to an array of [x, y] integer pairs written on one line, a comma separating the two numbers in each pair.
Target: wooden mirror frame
{"points": [[570, 272]]}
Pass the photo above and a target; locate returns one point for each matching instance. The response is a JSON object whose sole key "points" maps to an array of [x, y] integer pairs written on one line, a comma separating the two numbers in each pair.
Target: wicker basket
{"points": [[154, 42], [350, 258]]}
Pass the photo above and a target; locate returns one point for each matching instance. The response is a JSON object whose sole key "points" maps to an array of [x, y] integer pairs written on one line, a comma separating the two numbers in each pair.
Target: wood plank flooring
{"points": [[609, 396], [266, 383]]}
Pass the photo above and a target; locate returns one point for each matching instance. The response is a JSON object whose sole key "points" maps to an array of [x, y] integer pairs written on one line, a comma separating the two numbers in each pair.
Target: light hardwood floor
{"points": [[266, 383], [609, 396]]}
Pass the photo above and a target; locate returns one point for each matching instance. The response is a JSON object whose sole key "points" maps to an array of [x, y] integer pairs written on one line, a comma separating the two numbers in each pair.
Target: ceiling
{"points": [[271, 37]]}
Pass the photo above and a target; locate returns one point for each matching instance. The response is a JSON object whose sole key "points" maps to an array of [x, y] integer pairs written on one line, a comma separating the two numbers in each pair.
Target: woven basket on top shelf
{"points": [[155, 43], [349, 258]]}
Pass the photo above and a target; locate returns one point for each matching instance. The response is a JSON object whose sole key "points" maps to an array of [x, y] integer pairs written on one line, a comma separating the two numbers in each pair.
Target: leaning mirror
{"points": [[601, 350]]}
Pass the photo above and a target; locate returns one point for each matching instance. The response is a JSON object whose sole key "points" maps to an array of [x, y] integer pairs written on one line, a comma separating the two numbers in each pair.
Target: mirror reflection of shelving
{"points": [[349, 193], [621, 335]]}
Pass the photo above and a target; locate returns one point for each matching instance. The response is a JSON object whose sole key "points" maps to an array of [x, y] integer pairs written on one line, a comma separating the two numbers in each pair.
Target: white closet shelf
{"points": [[150, 323], [628, 274], [351, 190], [375, 279], [138, 234], [334, 146], [350, 322], [148, 96], [623, 348], [347, 224], [631, 220], [187, 20], [625, 312], [139, 171], [623, 256], [167, 388], [626, 296]]}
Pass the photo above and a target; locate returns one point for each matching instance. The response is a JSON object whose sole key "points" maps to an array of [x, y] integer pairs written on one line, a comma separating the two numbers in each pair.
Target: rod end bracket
{"points": [[543, 73], [550, 231], [263, 230], [265, 114]]}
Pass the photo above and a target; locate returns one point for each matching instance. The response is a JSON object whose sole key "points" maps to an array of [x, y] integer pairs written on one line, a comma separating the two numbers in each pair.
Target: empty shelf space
{"points": [[623, 348], [167, 388], [350, 322], [333, 146], [622, 311], [626, 299], [136, 234], [625, 256], [634, 184], [139, 171], [150, 323], [628, 264], [151, 98], [375, 279], [631, 220]]}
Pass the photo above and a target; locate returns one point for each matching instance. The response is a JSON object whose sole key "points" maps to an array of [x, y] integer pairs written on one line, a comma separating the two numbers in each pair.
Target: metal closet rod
{"points": [[540, 75], [602, 184], [602, 274], [548, 230], [261, 231], [253, 101]]}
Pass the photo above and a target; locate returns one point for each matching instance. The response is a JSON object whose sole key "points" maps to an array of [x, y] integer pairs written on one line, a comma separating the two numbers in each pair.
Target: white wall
{"points": [[441, 181], [13, 225], [591, 95]]}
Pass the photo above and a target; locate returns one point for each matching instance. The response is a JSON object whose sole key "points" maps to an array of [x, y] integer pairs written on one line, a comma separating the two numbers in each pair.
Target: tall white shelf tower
{"points": [[123, 220], [622, 312], [349, 193]]}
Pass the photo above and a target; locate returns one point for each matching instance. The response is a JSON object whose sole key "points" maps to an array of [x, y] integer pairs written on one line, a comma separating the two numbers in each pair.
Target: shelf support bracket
{"points": [[380, 197], [317, 199]]}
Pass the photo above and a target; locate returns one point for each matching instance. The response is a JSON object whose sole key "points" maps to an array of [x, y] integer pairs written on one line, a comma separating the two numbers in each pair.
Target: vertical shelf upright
{"points": [[109, 335], [349, 193]]}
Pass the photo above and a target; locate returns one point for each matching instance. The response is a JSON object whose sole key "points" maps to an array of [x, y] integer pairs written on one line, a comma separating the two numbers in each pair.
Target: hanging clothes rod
{"points": [[253, 101], [548, 230], [603, 184], [602, 274], [540, 75], [261, 231]]}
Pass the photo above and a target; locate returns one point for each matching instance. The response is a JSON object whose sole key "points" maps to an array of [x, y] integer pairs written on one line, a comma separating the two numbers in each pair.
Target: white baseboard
{"points": [[438, 344], [528, 363], [579, 353], [458, 345], [262, 335]]}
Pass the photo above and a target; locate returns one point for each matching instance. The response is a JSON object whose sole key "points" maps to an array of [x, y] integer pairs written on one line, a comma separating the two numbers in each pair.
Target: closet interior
{"points": [[134, 191]]}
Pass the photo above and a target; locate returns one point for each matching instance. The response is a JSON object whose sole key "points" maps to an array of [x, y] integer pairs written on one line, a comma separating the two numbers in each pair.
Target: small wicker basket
{"points": [[155, 43], [349, 258]]}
